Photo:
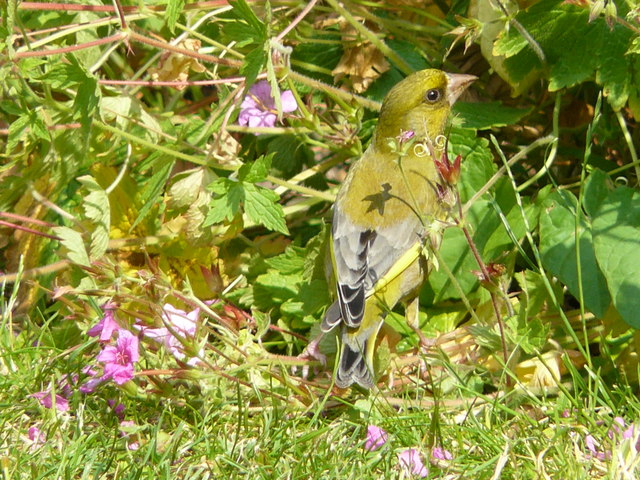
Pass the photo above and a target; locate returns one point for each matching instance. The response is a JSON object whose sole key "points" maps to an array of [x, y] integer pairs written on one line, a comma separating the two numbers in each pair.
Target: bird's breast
{"points": [[381, 191]]}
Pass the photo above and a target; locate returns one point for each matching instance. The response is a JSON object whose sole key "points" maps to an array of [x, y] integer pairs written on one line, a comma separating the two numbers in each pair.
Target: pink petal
{"points": [[441, 454], [106, 326], [36, 435], [128, 344], [108, 354], [411, 462], [120, 374], [180, 320], [376, 438], [46, 400], [262, 90], [289, 103]]}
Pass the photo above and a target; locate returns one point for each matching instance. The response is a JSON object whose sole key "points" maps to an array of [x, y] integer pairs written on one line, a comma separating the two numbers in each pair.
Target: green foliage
{"points": [[126, 187], [259, 203], [575, 49]]}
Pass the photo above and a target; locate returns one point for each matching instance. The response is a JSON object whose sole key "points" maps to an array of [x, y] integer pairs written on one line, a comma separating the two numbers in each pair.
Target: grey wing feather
{"points": [[363, 256]]}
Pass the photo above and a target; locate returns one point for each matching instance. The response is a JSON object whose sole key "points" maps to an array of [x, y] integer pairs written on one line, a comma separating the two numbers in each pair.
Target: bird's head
{"points": [[420, 103]]}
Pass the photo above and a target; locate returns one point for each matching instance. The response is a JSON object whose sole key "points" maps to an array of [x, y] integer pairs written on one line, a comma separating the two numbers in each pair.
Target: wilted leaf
{"points": [[73, 242], [97, 209]]}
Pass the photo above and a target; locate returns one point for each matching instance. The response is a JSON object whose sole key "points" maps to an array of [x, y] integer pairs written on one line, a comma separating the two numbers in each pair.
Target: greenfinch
{"points": [[384, 211]]}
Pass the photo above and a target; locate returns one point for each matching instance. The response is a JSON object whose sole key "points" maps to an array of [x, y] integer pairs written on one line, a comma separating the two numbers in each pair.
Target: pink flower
{"points": [[119, 360], [105, 327], [180, 325], [440, 453], [411, 462], [46, 399], [376, 438], [592, 445], [405, 136], [36, 435], [127, 430], [259, 109]]}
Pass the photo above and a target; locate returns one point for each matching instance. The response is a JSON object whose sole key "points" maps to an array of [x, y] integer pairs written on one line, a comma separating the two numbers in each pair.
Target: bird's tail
{"points": [[353, 367], [356, 357]]}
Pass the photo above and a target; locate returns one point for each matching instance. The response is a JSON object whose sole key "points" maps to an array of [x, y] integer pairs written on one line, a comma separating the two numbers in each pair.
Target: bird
{"points": [[386, 209]]}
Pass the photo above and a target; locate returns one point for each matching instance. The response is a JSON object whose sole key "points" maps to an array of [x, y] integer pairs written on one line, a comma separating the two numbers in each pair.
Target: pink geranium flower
{"points": [[119, 360], [180, 326], [127, 429], [376, 438], [440, 453], [46, 399], [411, 463], [259, 109], [36, 435], [107, 325]]}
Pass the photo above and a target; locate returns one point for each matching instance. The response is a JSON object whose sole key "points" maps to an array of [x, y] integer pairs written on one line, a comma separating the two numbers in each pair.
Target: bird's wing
{"points": [[363, 256]]}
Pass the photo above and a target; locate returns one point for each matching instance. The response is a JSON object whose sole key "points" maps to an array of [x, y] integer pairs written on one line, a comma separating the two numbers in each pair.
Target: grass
{"points": [[218, 428], [120, 188]]}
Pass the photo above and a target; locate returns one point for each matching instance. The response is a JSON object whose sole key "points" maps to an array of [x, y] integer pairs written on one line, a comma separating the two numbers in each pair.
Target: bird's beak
{"points": [[458, 83]]}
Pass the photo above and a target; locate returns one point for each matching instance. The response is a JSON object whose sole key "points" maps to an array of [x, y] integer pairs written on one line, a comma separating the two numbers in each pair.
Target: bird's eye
{"points": [[433, 95]]}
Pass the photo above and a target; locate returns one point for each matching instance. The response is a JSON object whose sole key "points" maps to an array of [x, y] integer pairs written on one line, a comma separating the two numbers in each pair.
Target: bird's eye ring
{"points": [[433, 95]]}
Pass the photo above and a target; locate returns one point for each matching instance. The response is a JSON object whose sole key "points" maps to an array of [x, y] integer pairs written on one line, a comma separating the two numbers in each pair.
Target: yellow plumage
{"points": [[381, 217]]}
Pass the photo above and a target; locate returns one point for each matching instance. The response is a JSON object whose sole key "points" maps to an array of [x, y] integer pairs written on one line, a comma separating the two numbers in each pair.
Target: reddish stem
{"points": [[167, 83], [28, 230], [22, 218], [72, 48], [73, 7]]}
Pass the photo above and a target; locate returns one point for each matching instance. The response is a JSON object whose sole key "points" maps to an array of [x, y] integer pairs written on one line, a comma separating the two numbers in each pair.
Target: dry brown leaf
{"points": [[175, 67], [361, 61]]}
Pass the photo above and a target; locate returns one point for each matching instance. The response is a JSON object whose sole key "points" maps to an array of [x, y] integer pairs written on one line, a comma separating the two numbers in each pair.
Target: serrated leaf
{"points": [[172, 13], [257, 171], [121, 108], [38, 127], [73, 242], [242, 10], [62, 75], [16, 131], [261, 206], [482, 116], [230, 195], [253, 64], [575, 49], [86, 102], [290, 262], [97, 209]]}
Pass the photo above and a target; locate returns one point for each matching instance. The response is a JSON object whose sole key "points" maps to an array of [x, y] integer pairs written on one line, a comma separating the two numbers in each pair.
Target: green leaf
{"points": [[86, 102], [61, 75], [253, 64], [122, 108], [290, 262], [261, 206], [559, 255], [242, 10], [152, 191], [482, 116], [257, 171], [575, 49], [17, 130], [97, 209], [73, 242], [38, 127], [230, 195], [172, 13], [616, 237]]}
